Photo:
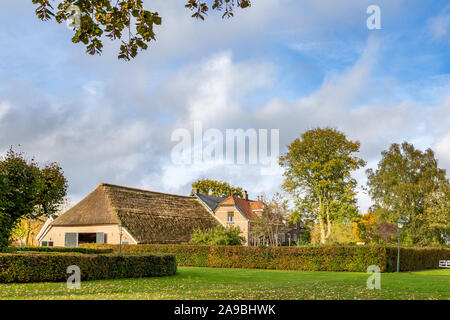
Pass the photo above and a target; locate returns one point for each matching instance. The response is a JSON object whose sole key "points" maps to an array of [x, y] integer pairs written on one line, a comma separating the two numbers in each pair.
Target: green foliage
{"points": [[216, 188], [27, 191], [201, 8], [124, 20], [318, 258], [342, 233], [52, 267], [318, 168], [408, 184], [305, 237], [220, 235]]}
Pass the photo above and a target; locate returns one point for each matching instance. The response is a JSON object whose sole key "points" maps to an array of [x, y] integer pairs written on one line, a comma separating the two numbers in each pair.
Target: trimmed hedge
{"points": [[63, 249], [326, 258], [412, 259], [52, 267]]}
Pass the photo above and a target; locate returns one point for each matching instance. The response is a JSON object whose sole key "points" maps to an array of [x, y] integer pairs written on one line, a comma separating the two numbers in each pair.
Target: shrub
{"points": [[52, 267], [310, 258], [305, 237], [218, 236]]}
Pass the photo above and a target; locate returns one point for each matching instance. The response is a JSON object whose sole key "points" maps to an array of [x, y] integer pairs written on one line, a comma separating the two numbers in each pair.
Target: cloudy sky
{"points": [[286, 64]]}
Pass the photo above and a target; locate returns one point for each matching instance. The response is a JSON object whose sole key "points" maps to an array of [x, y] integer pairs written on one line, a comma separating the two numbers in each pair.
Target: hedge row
{"points": [[412, 259], [329, 258], [63, 249], [52, 267]]}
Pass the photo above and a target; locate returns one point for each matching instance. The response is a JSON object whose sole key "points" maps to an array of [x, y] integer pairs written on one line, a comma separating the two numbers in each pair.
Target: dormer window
{"points": [[230, 218]]}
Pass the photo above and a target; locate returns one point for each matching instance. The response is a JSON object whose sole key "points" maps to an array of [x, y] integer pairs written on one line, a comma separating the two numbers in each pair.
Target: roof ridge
{"points": [[109, 203], [104, 184]]}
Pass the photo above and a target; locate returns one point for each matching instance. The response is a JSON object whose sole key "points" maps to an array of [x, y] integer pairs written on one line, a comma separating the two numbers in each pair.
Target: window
{"points": [[87, 238], [230, 217], [47, 244], [50, 243]]}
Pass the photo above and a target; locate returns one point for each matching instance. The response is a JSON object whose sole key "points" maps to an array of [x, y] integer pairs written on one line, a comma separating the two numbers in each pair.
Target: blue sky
{"points": [[283, 64]]}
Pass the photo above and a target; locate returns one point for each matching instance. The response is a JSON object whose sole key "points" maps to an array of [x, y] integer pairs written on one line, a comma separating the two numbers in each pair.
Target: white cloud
{"points": [[443, 151], [4, 108], [439, 26]]}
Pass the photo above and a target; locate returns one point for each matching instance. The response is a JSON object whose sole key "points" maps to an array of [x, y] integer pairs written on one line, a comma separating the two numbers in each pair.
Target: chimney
{"points": [[245, 195]]}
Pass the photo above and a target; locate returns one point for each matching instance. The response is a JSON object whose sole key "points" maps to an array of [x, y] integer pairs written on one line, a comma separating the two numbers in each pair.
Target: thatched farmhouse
{"points": [[112, 213]]}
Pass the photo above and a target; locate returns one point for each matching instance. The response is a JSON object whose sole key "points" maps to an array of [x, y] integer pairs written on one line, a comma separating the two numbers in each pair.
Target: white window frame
{"points": [[230, 214]]}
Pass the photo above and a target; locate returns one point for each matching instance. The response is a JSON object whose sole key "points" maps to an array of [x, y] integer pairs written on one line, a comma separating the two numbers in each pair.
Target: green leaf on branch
{"points": [[121, 20]]}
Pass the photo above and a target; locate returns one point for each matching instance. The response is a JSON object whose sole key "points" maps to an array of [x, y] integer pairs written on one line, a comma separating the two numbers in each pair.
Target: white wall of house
{"points": [[56, 235]]}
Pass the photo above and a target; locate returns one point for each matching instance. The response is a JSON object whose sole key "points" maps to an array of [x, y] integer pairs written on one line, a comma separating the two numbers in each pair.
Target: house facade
{"points": [[112, 214], [243, 213]]}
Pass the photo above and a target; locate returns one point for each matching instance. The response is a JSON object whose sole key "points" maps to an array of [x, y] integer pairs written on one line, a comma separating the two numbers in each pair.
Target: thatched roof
{"points": [[95, 209], [150, 217]]}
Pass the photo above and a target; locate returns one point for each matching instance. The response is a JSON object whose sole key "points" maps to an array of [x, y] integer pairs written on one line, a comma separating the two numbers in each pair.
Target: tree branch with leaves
{"points": [[123, 20]]}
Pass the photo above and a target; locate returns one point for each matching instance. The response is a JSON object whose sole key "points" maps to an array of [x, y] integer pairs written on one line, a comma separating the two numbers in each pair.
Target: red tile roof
{"points": [[246, 206]]}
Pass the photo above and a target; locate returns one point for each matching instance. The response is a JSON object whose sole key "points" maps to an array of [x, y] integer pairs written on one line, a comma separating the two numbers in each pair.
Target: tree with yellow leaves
{"points": [[364, 227], [26, 229]]}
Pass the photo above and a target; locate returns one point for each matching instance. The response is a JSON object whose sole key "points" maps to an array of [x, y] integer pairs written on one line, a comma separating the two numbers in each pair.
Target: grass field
{"points": [[209, 283]]}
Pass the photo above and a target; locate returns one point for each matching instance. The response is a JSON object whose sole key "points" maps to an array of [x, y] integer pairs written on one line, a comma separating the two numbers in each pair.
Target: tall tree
{"points": [[27, 191], [124, 20], [216, 188], [318, 168], [408, 184]]}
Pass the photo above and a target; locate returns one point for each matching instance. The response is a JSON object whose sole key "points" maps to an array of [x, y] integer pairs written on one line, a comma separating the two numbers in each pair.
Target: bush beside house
{"points": [[220, 235]]}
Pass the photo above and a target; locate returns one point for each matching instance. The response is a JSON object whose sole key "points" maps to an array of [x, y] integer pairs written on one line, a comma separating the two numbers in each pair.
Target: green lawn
{"points": [[209, 283]]}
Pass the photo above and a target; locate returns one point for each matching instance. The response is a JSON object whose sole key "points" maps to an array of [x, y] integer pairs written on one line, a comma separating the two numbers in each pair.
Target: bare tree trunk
{"points": [[322, 230], [328, 223], [27, 237], [321, 222]]}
